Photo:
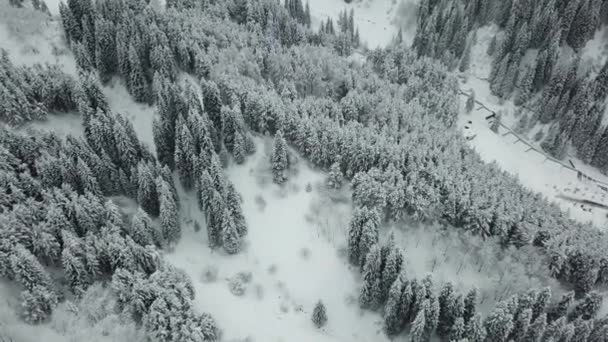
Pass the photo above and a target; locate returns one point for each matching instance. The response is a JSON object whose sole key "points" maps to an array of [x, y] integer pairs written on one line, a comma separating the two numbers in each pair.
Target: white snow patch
{"points": [[595, 52], [53, 6], [63, 124], [33, 37], [140, 114]]}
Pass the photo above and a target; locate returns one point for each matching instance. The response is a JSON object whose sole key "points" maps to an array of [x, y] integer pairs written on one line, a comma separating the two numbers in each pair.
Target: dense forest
{"points": [[220, 72]]}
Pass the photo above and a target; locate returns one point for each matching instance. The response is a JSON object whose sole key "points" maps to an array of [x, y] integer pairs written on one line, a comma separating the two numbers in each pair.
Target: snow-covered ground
{"points": [[62, 124], [378, 20], [140, 114], [533, 169], [34, 37], [293, 263]]}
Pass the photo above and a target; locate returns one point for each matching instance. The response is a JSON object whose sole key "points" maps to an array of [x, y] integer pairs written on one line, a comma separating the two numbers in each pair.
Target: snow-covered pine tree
{"points": [[446, 314], [457, 329], [335, 176], [184, 155], [238, 151], [582, 330], [231, 241], [213, 104], [525, 86], [319, 315], [147, 194], [474, 330], [369, 298], [521, 325], [394, 320], [417, 333], [138, 86], [499, 323], [470, 305], [233, 203], [554, 329], [169, 220], [279, 159], [122, 52], [391, 271], [359, 217], [37, 304], [105, 48], [537, 328], [368, 238], [582, 272], [142, 230], [541, 302]]}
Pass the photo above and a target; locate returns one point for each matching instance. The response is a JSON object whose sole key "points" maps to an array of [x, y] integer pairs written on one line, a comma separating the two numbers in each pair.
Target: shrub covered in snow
{"points": [[319, 315], [237, 286]]}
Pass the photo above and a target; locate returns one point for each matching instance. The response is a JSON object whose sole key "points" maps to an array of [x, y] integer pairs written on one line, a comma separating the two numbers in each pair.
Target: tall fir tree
{"points": [[279, 159]]}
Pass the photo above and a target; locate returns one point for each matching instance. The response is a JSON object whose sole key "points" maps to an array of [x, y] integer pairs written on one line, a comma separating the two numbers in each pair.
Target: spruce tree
{"points": [[137, 83], [470, 304], [184, 155], [582, 330], [537, 329], [279, 159], [369, 238], [474, 330], [169, 220], [417, 333], [142, 230], [37, 304], [393, 317], [335, 177], [391, 271], [239, 148], [369, 297], [499, 323], [522, 323], [457, 329], [540, 304], [446, 315], [105, 48], [231, 240]]}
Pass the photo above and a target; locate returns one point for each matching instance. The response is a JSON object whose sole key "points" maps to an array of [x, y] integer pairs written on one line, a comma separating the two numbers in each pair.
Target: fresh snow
{"points": [[293, 264], [61, 123], [140, 114], [378, 20], [33, 37]]}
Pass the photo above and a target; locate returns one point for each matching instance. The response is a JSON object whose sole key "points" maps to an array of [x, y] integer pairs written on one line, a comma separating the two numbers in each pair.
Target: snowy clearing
{"points": [[291, 265], [33, 37], [378, 20]]}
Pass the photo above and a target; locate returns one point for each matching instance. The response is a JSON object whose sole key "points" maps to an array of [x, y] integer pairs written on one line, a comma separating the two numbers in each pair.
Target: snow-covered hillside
{"points": [[537, 172], [378, 20]]}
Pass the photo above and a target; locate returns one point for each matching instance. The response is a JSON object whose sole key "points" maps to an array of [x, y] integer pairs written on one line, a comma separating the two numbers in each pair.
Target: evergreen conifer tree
{"points": [[279, 159], [319, 315]]}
